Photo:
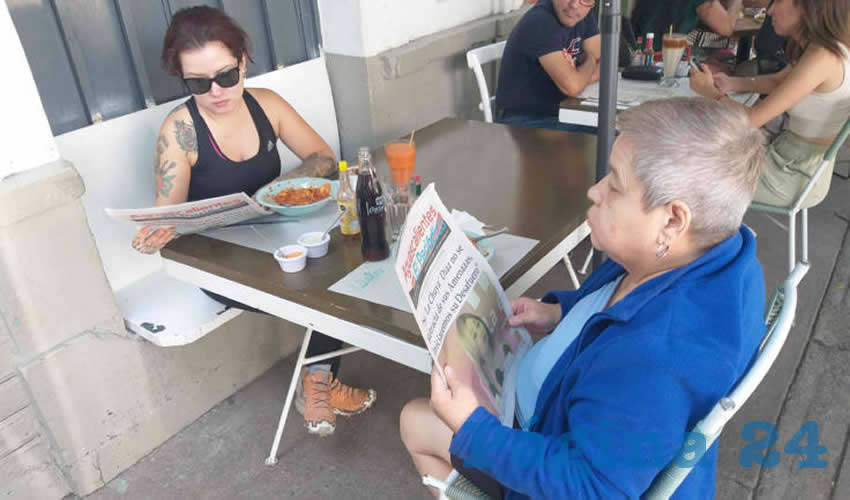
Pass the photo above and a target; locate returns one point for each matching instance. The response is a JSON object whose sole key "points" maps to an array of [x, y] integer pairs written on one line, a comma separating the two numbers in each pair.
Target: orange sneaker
{"points": [[319, 417], [347, 400]]}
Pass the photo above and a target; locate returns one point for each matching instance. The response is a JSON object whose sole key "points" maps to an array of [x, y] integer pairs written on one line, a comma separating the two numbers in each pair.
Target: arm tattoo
{"points": [[186, 137], [164, 182], [315, 165]]}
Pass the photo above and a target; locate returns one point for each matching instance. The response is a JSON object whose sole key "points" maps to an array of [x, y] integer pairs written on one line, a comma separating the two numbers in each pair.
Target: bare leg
{"points": [[427, 439]]}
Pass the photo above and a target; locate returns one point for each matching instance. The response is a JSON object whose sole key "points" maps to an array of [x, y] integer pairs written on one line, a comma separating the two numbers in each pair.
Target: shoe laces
{"points": [[343, 391], [320, 395]]}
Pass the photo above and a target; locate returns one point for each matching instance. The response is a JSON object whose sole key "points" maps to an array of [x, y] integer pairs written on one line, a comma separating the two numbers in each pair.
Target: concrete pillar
{"points": [[397, 66], [81, 398]]}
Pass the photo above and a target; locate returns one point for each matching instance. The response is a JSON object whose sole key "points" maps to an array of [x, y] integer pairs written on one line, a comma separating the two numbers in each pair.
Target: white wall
{"points": [[25, 137], [364, 28]]}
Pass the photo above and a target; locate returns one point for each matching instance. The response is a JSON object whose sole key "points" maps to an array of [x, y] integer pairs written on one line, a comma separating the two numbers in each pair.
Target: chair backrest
{"points": [[837, 142], [778, 320], [474, 59], [114, 159], [828, 156]]}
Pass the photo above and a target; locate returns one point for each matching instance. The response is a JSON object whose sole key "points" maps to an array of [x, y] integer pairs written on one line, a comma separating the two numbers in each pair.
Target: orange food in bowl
{"points": [[292, 255], [302, 196]]}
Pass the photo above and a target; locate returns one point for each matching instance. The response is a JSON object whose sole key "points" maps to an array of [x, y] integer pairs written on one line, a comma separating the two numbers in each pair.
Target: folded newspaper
{"points": [[194, 216], [460, 307]]}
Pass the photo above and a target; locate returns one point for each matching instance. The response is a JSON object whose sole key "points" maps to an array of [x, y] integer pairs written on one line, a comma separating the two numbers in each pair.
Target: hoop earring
{"points": [[663, 250]]}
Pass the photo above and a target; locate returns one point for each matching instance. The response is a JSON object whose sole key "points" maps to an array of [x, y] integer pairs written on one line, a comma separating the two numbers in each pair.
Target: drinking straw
{"points": [[410, 143], [671, 31]]}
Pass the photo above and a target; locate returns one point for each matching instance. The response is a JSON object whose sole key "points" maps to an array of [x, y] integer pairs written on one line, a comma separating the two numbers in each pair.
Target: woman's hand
{"points": [[702, 83], [256, 197], [150, 239], [724, 83], [538, 317], [453, 402]]}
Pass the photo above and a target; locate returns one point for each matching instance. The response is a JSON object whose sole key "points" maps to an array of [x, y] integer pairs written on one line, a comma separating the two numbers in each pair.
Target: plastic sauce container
{"points": [[292, 258], [316, 243]]}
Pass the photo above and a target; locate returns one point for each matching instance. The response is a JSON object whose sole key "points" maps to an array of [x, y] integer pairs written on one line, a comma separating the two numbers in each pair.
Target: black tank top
{"points": [[216, 175]]}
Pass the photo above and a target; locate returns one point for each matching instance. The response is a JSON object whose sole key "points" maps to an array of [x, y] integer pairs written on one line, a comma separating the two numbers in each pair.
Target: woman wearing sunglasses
{"points": [[222, 140]]}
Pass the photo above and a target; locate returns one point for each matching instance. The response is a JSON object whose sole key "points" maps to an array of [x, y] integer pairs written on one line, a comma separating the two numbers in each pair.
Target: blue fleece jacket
{"points": [[617, 404]]}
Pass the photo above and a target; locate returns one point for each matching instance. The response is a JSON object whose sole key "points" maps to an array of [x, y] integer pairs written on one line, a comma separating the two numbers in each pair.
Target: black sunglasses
{"points": [[225, 79]]}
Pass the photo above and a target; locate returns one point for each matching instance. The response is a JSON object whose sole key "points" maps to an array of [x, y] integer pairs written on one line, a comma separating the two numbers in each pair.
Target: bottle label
{"points": [[377, 208], [348, 224]]}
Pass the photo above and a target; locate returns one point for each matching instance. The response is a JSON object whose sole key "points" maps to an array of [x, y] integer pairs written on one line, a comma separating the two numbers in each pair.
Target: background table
{"points": [[581, 111], [745, 31]]}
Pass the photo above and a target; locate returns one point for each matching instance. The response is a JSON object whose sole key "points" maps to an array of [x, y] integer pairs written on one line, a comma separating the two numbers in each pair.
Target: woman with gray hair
{"points": [[652, 339]]}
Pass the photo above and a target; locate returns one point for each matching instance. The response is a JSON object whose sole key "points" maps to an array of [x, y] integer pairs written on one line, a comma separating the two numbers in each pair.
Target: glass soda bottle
{"points": [[649, 50], [348, 225], [371, 210]]}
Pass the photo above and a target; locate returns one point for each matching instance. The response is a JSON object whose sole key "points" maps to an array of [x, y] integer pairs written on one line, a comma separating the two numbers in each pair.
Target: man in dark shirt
{"points": [[656, 16], [552, 52]]}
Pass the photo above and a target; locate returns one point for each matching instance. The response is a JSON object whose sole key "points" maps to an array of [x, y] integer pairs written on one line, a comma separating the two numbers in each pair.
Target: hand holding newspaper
{"points": [[193, 216], [460, 307]]}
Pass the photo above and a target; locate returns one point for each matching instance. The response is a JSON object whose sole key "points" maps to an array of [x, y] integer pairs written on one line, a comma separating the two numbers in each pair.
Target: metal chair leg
{"points": [[587, 260], [272, 458], [571, 271], [792, 240], [804, 237]]}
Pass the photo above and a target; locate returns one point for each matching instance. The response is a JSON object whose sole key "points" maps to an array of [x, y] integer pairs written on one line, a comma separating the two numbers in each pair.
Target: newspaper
{"points": [[194, 216], [459, 305]]}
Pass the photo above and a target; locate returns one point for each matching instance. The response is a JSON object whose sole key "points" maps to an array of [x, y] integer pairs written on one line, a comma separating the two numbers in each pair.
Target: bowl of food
{"points": [[292, 258], [301, 196]]}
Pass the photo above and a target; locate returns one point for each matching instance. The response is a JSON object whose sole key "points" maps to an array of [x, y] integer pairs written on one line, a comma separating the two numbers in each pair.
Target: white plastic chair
{"points": [[455, 487], [474, 59], [791, 211], [779, 318]]}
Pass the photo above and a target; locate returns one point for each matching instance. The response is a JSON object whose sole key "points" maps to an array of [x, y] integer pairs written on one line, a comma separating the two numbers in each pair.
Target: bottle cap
{"points": [[650, 35], [343, 165], [417, 178]]}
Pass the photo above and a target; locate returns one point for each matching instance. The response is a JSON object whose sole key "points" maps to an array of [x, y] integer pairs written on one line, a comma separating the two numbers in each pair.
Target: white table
{"points": [[584, 109]]}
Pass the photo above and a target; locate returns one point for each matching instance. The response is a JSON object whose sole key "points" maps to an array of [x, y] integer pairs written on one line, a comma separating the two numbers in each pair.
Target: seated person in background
{"points": [[656, 16], [770, 48], [814, 90], [552, 52], [770, 53], [647, 345], [223, 140]]}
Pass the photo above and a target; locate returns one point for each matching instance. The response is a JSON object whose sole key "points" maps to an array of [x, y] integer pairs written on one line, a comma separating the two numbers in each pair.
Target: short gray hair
{"points": [[699, 151]]}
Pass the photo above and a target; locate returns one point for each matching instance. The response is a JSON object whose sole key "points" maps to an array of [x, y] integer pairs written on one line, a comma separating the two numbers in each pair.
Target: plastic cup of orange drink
{"points": [[401, 156]]}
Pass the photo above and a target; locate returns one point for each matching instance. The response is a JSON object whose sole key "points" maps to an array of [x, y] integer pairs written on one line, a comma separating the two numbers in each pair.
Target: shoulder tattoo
{"points": [[185, 135]]}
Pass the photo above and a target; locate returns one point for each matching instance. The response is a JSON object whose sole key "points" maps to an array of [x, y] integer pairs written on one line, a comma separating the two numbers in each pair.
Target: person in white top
{"points": [[813, 90]]}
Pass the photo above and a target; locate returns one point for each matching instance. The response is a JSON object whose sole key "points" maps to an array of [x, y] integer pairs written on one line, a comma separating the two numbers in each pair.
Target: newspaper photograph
{"points": [[459, 305], [194, 216]]}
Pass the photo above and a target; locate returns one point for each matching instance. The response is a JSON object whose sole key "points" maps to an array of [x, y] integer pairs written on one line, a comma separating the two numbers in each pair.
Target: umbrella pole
{"points": [[610, 29]]}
